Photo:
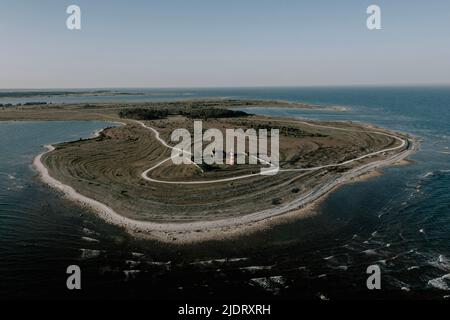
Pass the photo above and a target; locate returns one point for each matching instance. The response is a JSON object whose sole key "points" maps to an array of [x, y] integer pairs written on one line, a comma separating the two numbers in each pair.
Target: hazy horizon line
{"points": [[232, 87]]}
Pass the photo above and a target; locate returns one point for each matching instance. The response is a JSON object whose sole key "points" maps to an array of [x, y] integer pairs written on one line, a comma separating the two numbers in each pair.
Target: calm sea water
{"points": [[400, 220]]}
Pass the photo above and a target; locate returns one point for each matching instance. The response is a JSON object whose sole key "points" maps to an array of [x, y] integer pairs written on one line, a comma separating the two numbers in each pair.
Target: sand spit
{"points": [[188, 232]]}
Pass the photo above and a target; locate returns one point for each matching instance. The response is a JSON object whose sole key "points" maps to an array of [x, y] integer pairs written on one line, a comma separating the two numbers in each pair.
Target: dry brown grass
{"points": [[108, 169]]}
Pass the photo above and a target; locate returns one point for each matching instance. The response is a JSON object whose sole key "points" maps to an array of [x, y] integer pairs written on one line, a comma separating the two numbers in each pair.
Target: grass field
{"points": [[109, 167]]}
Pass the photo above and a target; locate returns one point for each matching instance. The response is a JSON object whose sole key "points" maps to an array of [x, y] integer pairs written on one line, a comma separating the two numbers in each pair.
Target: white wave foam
{"points": [[413, 268], [130, 274], [271, 284], [237, 259], [137, 254], [88, 231], [132, 263], [343, 268], [322, 296], [428, 174], [405, 289], [164, 265], [441, 283], [370, 252], [441, 263], [90, 239], [208, 262], [256, 268], [90, 253]]}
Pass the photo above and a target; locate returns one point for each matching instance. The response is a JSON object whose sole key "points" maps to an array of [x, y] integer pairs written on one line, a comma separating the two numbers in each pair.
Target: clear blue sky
{"points": [[201, 43]]}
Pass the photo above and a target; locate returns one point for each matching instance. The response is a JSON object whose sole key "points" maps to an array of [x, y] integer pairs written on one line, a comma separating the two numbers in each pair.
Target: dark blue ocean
{"points": [[399, 220]]}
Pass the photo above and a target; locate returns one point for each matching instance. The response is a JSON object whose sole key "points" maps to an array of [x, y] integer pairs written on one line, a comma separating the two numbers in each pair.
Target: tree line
{"points": [[203, 113]]}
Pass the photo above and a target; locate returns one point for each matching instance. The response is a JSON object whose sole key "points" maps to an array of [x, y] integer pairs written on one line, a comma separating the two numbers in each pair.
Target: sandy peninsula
{"points": [[317, 158]]}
